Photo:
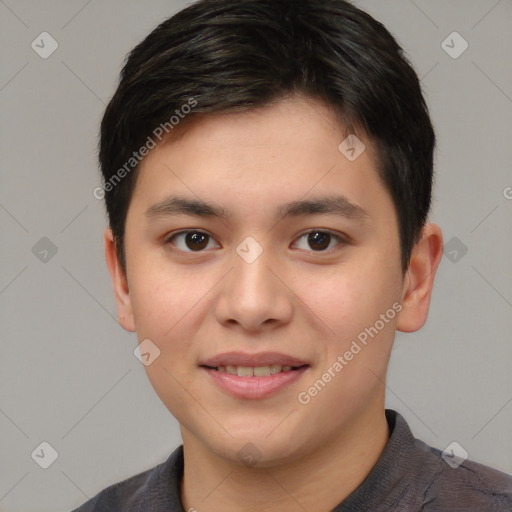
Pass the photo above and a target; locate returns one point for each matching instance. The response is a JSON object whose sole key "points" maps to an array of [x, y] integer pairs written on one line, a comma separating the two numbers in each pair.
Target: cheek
{"points": [[168, 308], [159, 299], [170, 385], [163, 311], [350, 296], [350, 300]]}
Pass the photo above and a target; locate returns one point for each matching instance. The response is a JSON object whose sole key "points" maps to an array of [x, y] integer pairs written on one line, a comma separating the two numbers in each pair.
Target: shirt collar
{"points": [[386, 483]]}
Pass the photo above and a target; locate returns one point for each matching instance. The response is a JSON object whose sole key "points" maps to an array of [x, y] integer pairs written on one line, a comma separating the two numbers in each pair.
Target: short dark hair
{"points": [[236, 55]]}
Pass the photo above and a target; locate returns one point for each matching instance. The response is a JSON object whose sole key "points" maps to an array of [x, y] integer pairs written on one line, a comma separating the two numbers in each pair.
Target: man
{"points": [[267, 173]]}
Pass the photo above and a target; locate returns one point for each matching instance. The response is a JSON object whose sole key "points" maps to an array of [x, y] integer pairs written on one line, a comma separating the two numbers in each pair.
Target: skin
{"points": [[291, 299]]}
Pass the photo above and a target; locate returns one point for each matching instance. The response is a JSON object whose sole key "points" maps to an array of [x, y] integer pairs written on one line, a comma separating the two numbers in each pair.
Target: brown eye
{"points": [[319, 240], [316, 240], [191, 241]]}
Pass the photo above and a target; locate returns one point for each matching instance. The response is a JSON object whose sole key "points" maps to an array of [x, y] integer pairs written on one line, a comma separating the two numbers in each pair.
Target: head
{"points": [[231, 121]]}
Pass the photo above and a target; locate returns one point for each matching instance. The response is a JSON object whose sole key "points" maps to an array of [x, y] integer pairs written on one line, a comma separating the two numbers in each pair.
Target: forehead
{"points": [[260, 159]]}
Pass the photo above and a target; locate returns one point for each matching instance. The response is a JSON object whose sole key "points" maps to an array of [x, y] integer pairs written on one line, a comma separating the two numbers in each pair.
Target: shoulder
{"points": [[156, 489], [122, 496], [428, 479], [463, 485]]}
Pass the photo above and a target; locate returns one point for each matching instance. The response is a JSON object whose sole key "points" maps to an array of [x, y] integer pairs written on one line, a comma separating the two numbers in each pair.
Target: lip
{"points": [[256, 359], [253, 388]]}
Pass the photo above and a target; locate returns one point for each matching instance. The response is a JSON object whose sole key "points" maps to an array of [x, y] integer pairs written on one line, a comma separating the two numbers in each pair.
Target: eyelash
{"points": [[341, 240]]}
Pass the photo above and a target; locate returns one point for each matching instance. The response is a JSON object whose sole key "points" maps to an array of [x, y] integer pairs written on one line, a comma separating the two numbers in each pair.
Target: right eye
{"points": [[189, 239]]}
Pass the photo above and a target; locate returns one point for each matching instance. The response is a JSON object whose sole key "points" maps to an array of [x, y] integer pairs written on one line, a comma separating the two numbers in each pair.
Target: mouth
{"points": [[253, 376], [255, 371]]}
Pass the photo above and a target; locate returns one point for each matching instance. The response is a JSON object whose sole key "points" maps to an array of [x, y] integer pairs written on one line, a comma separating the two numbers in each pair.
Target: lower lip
{"points": [[253, 388]]}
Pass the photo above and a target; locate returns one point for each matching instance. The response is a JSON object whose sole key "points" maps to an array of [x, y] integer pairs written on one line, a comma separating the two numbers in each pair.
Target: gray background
{"points": [[68, 375]]}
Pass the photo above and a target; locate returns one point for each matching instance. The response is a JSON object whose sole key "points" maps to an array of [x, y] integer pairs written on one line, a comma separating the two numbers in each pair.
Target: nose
{"points": [[254, 295]]}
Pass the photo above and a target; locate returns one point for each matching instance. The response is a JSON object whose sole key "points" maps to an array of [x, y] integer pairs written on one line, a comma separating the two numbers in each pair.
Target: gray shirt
{"points": [[409, 476]]}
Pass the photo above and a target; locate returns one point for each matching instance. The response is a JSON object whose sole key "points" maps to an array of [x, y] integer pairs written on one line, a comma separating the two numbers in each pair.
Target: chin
{"points": [[255, 447]]}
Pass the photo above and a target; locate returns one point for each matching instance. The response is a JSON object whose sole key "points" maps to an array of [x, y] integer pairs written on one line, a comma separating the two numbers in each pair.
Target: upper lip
{"points": [[257, 359]]}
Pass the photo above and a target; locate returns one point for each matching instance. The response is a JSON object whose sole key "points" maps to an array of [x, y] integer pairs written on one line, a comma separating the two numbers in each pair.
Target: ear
{"points": [[419, 280], [120, 283]]}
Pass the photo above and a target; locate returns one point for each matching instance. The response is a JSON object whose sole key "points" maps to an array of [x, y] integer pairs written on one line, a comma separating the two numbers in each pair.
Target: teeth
{"points": [[245, 371], [261, 371], [258, 371], [275, 368]]}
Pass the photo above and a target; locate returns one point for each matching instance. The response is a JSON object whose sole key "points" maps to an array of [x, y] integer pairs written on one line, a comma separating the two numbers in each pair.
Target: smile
{"points": [[256, 371], [253, 383]]}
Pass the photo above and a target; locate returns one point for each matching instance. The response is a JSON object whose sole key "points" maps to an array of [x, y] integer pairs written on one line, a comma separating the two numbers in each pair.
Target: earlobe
{"points": [[419, 280], [119, 282]]}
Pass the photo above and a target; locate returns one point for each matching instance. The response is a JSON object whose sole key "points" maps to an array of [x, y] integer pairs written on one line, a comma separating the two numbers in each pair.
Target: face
{"points": [[258, 288]]}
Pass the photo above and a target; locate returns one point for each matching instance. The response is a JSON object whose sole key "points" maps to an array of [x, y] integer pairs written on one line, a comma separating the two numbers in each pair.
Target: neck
{"points": [[213, 484]]}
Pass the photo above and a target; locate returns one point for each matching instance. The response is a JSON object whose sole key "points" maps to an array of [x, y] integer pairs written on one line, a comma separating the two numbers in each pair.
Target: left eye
{"points": [[320, 240], [196, 241]]}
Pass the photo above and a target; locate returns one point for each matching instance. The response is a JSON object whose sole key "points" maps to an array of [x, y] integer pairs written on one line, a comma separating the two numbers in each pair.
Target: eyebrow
{"points": [[334, 205]]}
